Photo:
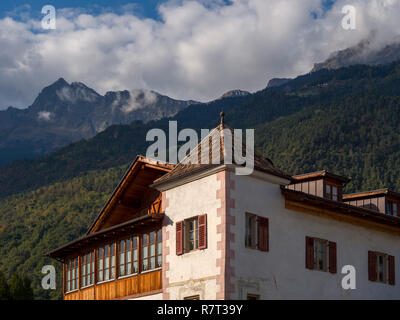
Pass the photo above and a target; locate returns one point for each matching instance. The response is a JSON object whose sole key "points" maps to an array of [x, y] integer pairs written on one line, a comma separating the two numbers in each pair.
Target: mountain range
{"points": [[67, 112]]}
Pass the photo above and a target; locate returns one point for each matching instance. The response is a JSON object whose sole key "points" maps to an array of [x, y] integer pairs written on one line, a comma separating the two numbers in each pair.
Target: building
{"points": [[193, 231]]}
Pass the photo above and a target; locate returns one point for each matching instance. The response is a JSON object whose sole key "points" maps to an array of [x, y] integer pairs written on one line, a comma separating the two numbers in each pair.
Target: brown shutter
{"points": [[391, 271], [332, 257], [179, 238], [371, 266], [263, 234], [203, 231], [309, 253]]}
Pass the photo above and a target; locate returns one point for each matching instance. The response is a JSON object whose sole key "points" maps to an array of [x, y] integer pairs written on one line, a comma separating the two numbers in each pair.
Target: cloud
{"points": [[139, 99], [197, 50], [44, 115]]}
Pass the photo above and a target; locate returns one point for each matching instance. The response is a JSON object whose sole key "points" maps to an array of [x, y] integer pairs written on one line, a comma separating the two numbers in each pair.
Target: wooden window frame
{"points": [[106, 271], [85, 272], [133, 264], [252, 228], [329, 263], [186, 238], [330, 195], [388, 266], [147, 249], [73, 273], [325, 247], [391, 204], [385, 267], [258, 226]]}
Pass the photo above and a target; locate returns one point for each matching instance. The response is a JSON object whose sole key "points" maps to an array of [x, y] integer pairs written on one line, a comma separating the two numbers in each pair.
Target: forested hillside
{"points": [[35, 222]]}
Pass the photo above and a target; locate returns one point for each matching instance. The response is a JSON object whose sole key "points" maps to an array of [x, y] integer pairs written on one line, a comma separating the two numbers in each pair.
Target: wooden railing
{"points": [[129, 287]]}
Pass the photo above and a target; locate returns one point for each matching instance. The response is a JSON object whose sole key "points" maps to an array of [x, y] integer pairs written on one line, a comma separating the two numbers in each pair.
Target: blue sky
{"points": [[146, 8]]}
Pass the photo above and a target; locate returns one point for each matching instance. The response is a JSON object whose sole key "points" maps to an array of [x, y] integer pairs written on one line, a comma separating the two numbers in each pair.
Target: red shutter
{"points": [[391, 271], [263, 234], [179, 238], [371, 266], [203, 231], [309, 253], [332, 257]]}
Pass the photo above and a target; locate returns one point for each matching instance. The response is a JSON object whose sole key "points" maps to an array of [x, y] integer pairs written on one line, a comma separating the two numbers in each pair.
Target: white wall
{"points": [[281, 273], [193, 273], [157, 296]]}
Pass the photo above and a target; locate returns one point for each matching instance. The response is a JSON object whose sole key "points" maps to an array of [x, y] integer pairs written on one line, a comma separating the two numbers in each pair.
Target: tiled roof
{"points": [[320, 174], [371, 193], [215, 150]]}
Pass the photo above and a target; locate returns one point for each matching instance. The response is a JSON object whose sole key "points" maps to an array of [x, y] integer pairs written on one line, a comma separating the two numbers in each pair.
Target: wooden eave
{"points": [[341, 209], [106, 235], [371, 194], [126, 204], [319, 175]]}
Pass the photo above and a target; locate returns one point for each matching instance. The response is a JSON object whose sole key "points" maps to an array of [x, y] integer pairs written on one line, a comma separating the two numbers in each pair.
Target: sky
{"points": [[186, 49]]}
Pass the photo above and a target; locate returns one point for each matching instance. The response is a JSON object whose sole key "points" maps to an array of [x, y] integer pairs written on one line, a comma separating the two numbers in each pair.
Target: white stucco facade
{"points": [[192, 273], [279, 273]]}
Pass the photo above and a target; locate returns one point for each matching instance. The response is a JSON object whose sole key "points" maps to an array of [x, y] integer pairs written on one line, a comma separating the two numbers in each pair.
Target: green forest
{"points": [[35, 222], [346, 121]]}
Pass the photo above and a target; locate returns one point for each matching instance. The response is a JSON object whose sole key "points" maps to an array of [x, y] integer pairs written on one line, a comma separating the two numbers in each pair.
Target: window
{"points": [[102, 262], [87, 267], [253, 296], [191, 234], [331, 192], [72, 274], [321, 255], [391, 208], [257, 232], [152, 250], [251, 230], [197, 297], [128, 256], [106, 263], [381, 267]]}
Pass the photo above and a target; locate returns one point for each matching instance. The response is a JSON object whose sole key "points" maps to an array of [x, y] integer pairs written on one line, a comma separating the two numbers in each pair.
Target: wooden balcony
{"points": [[125, 288]]}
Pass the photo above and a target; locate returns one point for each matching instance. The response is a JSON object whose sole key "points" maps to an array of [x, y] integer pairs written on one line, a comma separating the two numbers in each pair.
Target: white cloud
{"points": [[198, 51], [44, 115], [139, 99]]}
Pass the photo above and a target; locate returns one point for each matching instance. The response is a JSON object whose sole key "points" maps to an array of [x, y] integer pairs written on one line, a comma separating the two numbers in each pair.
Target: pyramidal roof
{"points": [[216, 149]]}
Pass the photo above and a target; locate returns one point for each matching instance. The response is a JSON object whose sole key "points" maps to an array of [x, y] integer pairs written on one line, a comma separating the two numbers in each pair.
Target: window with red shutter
{"points": [[391, 270], [179, 238], [263, 236], [332, 257], [371, 266], [202, 231], [309, 253]]}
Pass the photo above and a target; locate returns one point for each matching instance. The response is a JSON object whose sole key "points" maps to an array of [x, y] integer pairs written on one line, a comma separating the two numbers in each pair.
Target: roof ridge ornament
{"points": [[222, 116]]}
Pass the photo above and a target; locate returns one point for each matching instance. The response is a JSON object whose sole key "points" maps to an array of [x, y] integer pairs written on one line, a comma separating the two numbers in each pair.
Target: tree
{"points": [[4, 288], [27, 288], [20, 289]]}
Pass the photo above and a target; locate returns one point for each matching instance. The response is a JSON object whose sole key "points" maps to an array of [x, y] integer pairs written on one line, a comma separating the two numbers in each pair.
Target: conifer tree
{"points": [[4, 288]]}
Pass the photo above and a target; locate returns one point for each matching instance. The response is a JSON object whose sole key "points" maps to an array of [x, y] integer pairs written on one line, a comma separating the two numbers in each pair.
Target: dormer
{"points": [[321, 184], [383, 201]]}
